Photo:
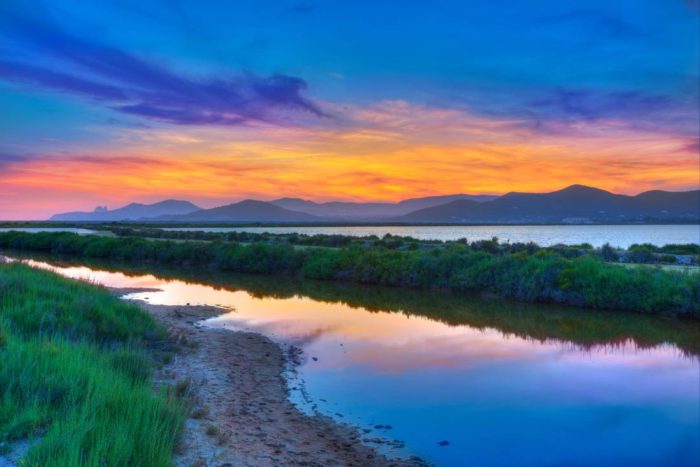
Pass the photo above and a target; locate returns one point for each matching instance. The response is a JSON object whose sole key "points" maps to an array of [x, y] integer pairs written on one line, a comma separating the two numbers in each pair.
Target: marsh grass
{"points": [[75, 377], [523, 272]]}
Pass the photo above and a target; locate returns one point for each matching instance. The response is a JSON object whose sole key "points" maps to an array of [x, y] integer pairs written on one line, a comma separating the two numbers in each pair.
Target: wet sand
{"points": [[241, 414]]}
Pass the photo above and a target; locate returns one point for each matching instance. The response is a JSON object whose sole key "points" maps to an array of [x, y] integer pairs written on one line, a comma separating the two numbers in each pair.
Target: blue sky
{"points": [[73, 73]]}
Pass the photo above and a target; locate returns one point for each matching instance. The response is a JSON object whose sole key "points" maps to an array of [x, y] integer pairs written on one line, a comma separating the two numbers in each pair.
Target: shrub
{"points": [[525, 272]]}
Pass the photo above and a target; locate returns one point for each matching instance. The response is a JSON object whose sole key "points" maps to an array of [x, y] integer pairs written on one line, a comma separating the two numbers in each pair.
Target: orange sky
{"points": [[388, 151]]}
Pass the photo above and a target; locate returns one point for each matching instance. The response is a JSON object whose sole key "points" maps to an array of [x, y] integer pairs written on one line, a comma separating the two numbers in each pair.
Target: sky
{"points": [[105, 103]]}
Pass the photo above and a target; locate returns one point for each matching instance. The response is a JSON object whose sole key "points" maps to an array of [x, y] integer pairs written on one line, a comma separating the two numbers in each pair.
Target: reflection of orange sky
{"points": [[389, 151], [387, 342]]}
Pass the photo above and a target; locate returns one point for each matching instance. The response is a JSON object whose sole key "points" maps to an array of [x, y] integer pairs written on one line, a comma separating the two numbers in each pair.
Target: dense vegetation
{"points": [[644, 253], [520, 271], [75, 375]]}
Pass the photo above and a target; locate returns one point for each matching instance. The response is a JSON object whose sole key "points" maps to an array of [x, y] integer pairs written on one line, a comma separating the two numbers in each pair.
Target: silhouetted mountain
{"points": [[575, 204], [245, 211], [369, 211], [133, 211], [413, 204]]}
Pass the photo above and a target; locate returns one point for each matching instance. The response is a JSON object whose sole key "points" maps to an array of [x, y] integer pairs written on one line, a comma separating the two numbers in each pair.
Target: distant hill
{"points": [[133, 211], [575, 204], [338, 210], [245, 211], [413, 204]]}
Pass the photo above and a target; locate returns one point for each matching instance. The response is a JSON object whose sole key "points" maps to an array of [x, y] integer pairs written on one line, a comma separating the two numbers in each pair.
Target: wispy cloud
{"points": [[7, 159], [596, 24], [302, 8], [133, 85], [568, 109], [693, 4]]}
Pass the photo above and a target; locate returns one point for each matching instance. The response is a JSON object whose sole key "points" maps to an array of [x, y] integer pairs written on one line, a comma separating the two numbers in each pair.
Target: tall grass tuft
{"points": [[75, 378]]}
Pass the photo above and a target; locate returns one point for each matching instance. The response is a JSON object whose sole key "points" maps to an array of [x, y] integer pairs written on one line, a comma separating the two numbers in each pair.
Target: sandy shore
{"points": [[241, 414]]}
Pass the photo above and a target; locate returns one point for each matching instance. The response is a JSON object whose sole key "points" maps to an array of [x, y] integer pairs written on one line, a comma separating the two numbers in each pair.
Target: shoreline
{"points": [[241, 413]]}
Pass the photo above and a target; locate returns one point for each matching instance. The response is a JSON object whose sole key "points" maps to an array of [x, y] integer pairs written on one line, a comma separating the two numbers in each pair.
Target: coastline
{"points": [[241, 414]]}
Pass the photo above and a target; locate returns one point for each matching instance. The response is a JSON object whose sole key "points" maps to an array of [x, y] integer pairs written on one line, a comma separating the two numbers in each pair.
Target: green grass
{"points": [[75, 377], [522, 272]]}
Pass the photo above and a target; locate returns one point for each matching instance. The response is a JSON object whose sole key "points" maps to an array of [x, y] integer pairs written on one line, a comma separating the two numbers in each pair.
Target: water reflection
{"points": [[569, 327], [503, 383], [76, 230]]}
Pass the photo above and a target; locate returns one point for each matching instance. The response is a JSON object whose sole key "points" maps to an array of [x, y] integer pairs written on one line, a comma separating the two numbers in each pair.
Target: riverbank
{"points": [[76, 382], [120, 383], [524, 272], [241, 414]]}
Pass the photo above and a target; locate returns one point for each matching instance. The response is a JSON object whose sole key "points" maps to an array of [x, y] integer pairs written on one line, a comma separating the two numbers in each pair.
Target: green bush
{"points": [[576, 276]]}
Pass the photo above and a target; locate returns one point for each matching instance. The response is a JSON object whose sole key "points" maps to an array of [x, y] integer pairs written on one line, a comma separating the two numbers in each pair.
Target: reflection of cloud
{"points": [[462, 350], [293, 331], [384, 341]]}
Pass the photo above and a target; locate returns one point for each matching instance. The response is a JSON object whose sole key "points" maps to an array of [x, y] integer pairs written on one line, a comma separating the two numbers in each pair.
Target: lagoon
{"points": [[77, 230], [621, 236], [501, 383]]}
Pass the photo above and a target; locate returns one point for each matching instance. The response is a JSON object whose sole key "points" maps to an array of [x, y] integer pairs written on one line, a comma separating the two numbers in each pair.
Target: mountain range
{"points": [[574, 204], [368, 211], [130, 212]]}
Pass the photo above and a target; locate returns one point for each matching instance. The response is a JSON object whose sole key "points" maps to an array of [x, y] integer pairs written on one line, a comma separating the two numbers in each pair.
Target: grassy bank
{"points": [[522, 271], [75, 377]]}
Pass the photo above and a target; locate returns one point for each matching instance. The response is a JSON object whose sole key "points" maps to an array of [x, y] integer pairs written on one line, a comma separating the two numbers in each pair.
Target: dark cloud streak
{"points": [[133, 85], [587, 105]]}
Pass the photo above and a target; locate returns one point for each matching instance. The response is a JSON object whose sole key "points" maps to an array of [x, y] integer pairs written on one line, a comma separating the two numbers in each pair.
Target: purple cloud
{"points": [[649, 111], [588, 105], [58, 81], [133, 85], [7, 159]]}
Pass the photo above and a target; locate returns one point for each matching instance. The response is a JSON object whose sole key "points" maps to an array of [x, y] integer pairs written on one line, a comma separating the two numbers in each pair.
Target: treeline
{"points": [[75, 377], [529, 274]]}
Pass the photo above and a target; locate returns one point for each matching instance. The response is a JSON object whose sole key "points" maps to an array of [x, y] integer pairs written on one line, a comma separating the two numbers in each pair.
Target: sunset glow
{"points": [[105, 119]]}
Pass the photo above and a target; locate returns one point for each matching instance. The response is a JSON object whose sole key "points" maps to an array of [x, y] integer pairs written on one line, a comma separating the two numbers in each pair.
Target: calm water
{"points": [[505, 384], [597, 235], [50, 229]]}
